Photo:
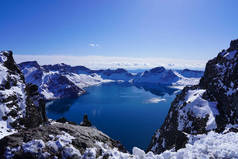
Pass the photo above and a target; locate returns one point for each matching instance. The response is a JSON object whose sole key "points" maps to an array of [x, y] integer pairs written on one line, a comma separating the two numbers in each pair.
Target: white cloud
{"points": [[156, 100], [102, 62], [94, 45]]}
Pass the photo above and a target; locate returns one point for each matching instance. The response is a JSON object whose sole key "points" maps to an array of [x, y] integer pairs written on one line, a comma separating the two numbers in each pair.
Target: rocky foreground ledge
{"points": [[57, 140]]}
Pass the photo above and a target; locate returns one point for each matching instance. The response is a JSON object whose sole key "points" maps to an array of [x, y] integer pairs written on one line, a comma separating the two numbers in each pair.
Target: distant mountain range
{"points": [[73, 79]]}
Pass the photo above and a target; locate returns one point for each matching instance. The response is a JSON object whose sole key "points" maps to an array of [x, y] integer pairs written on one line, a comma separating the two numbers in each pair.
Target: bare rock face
{"points": [[210, 105]]}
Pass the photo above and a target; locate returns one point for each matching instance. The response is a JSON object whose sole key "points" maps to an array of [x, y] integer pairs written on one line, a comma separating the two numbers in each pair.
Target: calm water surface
{"points": [[126, 113]]}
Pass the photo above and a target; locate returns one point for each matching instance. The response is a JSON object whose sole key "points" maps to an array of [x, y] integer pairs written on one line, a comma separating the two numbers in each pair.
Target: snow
{"points": [[199, 107], [84, 80], [3, 72], [184, 81], [5, 129], [63, 143], [212, 145], [34, 146]]}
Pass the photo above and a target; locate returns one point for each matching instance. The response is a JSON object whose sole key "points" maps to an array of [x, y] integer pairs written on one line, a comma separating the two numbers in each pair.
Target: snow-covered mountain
{"points": [[209, 106], [60, 80], [158, 75], [117, 75], [172, 78]]}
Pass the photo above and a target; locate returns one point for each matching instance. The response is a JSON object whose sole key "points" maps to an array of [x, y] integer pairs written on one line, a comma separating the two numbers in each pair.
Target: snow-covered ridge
{"points": [[73, 79]]}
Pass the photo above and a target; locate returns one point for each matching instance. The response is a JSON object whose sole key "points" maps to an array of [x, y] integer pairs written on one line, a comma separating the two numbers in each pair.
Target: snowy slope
{"points": [[187, 80]]}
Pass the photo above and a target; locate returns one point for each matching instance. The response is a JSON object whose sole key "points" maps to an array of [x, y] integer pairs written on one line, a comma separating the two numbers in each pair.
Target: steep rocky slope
{"points": [[210, 105], [21, 106]]}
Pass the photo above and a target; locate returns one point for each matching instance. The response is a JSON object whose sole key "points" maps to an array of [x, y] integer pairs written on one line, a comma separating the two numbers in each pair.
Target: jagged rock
{"points": [[85, 121], [64, 120], [210, 105]]}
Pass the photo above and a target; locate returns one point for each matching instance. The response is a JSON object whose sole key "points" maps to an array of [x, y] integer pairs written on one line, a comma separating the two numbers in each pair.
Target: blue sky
{"points": [[185, 29]]}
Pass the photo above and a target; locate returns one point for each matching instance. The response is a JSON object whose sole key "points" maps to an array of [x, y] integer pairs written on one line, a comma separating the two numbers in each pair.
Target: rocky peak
{"points": [[6, 58], [210, 105], [29, 64], [157, 70], [233, 45], [221, 82]]}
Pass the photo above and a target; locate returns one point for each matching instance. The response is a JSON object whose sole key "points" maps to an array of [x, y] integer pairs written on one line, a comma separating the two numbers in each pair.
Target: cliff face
{"points": [[19, 103], [210, 105]]}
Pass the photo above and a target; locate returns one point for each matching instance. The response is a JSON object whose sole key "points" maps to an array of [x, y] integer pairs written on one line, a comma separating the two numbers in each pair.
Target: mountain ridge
{"points": [[76, 78]]}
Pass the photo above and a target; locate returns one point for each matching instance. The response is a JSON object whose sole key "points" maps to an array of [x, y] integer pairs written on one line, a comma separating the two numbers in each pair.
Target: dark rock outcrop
{"points": [[85, 121]]}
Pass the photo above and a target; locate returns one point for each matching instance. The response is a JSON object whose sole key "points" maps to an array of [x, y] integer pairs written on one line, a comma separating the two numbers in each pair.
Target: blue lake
{"points": [[126, 113]]}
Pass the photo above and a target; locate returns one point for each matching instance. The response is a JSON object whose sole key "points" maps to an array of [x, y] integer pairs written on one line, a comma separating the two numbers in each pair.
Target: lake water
{"points": [[126, 113]]}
